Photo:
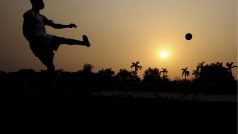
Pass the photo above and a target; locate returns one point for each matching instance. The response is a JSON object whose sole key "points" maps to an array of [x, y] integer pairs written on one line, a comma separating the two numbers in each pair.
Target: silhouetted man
{"points": [[42, 44]]}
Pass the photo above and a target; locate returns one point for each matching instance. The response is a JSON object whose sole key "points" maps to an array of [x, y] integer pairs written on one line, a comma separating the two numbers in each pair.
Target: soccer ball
{"points": [[188, 36]]}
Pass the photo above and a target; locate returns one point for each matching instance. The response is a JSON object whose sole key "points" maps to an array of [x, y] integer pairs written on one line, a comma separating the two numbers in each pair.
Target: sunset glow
{"points": [[149, 31], [164, 54]]}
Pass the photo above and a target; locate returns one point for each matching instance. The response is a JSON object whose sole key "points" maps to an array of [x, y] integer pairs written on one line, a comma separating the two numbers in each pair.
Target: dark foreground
{"points": [[199, 114]]}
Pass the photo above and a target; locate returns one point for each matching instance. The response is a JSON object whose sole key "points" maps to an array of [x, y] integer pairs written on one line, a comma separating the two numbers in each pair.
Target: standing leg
{"points": [[47, 60]]}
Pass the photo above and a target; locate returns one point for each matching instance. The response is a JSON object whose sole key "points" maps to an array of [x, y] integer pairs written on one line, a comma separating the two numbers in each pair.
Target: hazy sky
{"points": [[126, 31]]}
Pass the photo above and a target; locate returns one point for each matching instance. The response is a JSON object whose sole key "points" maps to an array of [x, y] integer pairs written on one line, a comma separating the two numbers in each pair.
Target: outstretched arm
{"points": [[55, 25], [60, 26]]}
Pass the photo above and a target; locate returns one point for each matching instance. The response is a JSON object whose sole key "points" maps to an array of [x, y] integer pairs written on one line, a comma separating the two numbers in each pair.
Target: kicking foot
{"points": [[85, 40]]}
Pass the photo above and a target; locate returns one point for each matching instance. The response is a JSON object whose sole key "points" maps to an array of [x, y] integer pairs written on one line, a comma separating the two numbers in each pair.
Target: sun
{"points": [[164, 54]]}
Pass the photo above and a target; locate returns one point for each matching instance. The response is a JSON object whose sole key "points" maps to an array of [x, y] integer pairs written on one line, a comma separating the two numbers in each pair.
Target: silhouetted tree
{"points": [[185, 72], [88, 68], [219, 64], [152, 75], [215, 72], [86, 73], [136, 67], [200, 66], [230, 66], [124, 76], [106, 74], [164, 73], [195, 73]]}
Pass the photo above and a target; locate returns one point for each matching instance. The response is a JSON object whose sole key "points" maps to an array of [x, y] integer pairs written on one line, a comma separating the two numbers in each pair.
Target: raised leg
{"points": [[61, 40], [47, 55]]}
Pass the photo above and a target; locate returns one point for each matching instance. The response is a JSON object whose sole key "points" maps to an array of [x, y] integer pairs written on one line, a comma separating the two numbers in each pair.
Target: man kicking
{"points": [[42, 44]]}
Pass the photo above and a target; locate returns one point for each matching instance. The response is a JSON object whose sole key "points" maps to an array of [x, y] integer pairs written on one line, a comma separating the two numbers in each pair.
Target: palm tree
{"points": [[230, 66], [196, 73], [164, 73], [185, 72], [200, 66], [136, 66]]}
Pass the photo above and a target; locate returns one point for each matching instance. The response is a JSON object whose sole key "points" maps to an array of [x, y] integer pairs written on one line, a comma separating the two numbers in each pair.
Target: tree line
{"points": [[213, 78]]}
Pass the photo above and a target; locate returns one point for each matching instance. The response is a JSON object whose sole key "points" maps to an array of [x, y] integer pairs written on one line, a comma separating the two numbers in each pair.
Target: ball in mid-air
{"points": [[188, 36]]}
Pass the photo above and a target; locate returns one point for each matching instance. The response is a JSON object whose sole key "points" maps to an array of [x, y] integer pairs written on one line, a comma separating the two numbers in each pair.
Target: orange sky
{"points": [[125, 31]]}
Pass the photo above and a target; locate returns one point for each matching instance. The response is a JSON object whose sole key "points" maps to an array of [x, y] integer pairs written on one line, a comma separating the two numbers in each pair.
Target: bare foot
{"points": [[85, 40]]}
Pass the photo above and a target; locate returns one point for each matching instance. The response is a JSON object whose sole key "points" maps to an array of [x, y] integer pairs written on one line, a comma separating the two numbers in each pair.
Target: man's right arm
{"points": [[57, 26], [60, 26]]}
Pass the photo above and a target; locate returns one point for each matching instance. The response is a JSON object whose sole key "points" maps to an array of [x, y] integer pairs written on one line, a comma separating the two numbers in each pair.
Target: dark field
{"points": [[212, 104]]}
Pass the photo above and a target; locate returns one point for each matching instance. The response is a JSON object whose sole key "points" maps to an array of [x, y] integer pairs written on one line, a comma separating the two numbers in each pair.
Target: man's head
{"points": [[38, 4]]}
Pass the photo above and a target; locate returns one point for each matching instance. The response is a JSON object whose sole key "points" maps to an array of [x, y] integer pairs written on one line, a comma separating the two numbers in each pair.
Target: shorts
{"points": [[45, 45]]}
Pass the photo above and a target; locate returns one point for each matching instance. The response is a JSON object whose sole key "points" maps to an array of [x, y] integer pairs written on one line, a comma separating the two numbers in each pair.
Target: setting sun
{"points": [[164, 54]]}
